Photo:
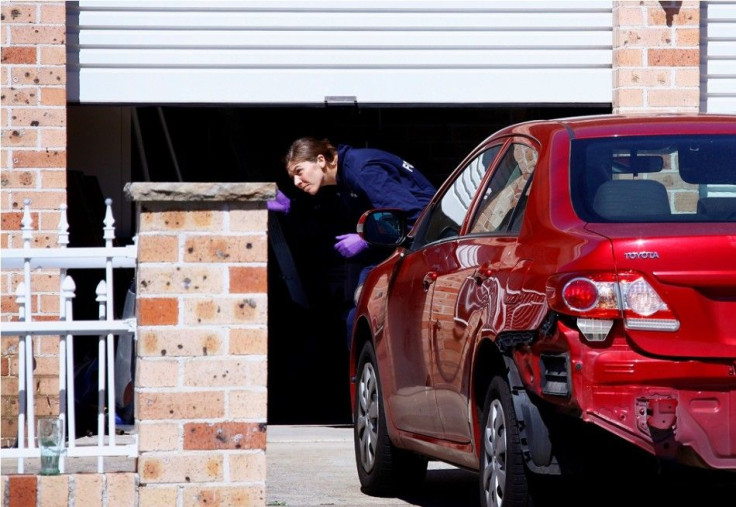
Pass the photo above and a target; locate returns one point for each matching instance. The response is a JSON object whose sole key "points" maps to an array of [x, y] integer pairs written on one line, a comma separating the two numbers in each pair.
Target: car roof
{"points": [[625, 124]]}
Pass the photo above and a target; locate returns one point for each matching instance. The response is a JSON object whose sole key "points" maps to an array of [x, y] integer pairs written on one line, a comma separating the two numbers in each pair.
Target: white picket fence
{"points": [[106, 328]]}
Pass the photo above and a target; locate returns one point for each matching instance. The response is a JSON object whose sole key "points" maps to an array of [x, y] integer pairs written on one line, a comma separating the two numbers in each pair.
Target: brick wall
{"points": [[33, 166], [202, 317], [656, 56], [105, 490]]}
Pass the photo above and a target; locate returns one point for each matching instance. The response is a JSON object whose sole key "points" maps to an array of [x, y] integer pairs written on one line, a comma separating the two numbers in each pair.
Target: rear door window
{"points": [[445, 219], [502, 205]]}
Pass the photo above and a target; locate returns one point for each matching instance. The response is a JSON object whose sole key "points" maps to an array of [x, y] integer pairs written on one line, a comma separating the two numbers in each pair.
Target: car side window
{"points": [[508, 187], [446, 217]]}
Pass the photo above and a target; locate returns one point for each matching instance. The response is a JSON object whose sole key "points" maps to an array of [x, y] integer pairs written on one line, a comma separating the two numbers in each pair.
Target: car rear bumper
{"points": [[694, 427], [683, 410]]}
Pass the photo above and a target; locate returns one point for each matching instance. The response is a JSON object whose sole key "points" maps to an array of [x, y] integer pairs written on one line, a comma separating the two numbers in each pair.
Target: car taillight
{"points": [[641, 298], [607, 296], [583, 294], [580, 294]]}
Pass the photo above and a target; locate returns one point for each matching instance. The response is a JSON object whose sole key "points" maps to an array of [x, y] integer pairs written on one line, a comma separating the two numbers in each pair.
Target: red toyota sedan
{"points": [[570, 271]]}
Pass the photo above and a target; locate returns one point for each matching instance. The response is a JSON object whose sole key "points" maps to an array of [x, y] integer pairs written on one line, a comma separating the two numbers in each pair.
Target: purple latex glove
{"points": [[350, 245], [280, 203]]}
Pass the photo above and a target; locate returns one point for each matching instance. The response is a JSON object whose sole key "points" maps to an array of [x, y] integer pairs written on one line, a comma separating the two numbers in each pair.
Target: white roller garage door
{"points": [[372, 52], [718, 72]]}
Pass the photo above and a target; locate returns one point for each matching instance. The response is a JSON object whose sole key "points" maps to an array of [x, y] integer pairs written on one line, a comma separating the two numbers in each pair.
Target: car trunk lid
{"points": [[693, 269]]}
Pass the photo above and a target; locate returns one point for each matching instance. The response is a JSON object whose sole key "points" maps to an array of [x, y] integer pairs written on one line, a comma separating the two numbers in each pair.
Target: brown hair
{"points": [[306, 149]]}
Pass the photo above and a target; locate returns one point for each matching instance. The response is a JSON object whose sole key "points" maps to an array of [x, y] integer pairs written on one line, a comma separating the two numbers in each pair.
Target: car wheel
{"points": [[383, 469], [503, 480]]}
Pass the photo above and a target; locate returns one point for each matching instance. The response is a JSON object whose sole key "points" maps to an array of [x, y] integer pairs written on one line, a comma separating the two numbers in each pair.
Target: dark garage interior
{"points": [[307, 357]]}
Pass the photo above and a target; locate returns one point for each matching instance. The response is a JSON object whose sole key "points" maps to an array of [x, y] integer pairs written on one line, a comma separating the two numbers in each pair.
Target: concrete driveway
{"points": [[315, 465]]}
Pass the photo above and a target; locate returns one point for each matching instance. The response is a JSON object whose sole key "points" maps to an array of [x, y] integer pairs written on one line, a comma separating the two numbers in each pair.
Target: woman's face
{"points": [[308, 176]]}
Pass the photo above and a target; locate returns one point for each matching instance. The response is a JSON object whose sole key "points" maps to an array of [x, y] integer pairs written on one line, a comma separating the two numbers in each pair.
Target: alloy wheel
{"points": [[494, 455], [367, 420]]}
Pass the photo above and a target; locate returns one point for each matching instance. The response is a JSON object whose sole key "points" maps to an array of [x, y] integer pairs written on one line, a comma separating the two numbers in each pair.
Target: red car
{"points": [[570, 271]]}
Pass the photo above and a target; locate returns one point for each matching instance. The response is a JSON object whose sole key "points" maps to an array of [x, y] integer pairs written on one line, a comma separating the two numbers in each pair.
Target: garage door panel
{"points": [[721, 30], [720, 49], [315, 86], [722, 104], [722, 68], [321, 39], [721, 85], [721, 9], [361, 16], [718, 71], [377, 51], [346, 58]]}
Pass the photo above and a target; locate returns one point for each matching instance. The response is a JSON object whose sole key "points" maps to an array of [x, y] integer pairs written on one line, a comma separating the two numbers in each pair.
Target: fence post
{"points": [[202, 315]]}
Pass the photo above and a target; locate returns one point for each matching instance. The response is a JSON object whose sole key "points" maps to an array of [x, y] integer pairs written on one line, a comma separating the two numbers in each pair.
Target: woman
{"points": [[366, 178]]}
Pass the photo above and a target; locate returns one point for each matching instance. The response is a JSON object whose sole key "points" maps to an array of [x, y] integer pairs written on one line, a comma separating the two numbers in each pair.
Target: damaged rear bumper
{"points": [[643, 401]]}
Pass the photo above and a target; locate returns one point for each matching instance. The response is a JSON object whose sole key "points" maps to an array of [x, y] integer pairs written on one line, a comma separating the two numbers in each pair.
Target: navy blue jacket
{"points": [[368, 178]]}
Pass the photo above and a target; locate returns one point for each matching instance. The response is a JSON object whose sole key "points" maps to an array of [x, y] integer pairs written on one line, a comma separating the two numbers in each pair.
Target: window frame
{"points": [[427, 220]]}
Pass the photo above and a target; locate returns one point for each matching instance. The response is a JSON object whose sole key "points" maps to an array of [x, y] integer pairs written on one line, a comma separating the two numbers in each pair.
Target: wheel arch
{"points": [[362, 334], [534, 433], [488, 363]]}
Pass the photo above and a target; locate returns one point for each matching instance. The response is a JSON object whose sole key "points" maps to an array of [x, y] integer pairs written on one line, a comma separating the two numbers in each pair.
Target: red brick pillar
{"points": [[656, 56], [33, 166], [202, 316]]}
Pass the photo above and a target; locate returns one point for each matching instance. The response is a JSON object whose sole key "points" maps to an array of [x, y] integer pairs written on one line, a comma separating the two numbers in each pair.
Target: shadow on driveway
{"points": [[447, 487]]}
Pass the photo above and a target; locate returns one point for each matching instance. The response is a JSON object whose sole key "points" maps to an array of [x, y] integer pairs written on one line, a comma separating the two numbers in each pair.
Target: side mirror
{"points": [[383, 227]]}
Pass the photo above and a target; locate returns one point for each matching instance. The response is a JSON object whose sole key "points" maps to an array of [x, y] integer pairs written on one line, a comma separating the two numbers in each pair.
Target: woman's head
{"points": [[311, 164]]}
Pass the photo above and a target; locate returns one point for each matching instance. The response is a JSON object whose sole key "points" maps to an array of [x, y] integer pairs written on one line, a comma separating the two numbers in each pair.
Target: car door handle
{"points": [[429, 279]]}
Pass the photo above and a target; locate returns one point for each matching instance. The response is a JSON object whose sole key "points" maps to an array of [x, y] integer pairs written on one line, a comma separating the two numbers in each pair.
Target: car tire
{"points": [[383, 469], [503, 479]]}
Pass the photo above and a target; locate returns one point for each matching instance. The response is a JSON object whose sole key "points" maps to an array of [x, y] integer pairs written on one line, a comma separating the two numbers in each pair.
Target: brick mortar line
{"points": [[226, 405], [200, 421], [185, 359], [207, 234], [168, 265], [203, 233], [226, 477], [201, 452], [38, 129], [226, 222], [195, 389], [105, 497], [649, 88], [206, 485], [32, 45], [218, 326], [16, 107], [182, 358], [164, 390], [199, 295], [222, 485], [251, 358], [650, 68], [181, 378], [34, 190], [179, 435]]}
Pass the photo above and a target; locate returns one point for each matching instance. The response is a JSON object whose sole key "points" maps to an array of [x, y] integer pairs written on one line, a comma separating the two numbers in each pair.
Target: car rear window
{"points": [[654, 178]]}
